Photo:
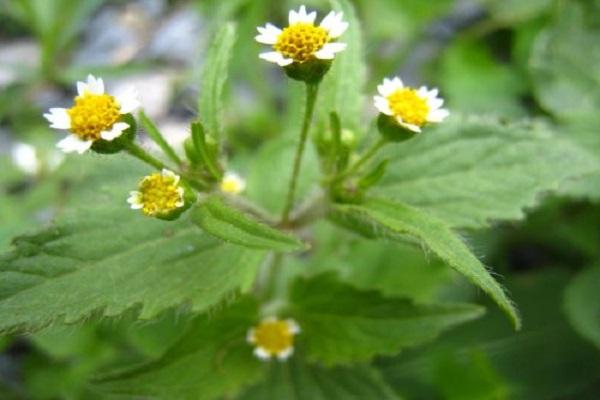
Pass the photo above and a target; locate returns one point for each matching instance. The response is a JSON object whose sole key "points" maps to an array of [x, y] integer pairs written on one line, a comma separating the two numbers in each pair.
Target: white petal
{"points": [[275, 57], [128, 100], [95, 85], [301, 16], [170, 174], [73, 143], [82, 88], [328, 51], [117, 129], [59, 118], [266, 38], [434, 103], [389, 86], [134, 200], [262, 353], [293, 326], [334, 24], [382, 105], [408, 126], [438, 115], [285, 354]]}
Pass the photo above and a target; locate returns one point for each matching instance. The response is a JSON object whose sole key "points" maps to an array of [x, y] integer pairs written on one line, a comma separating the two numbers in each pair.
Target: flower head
{"points": [[302, 40], [232, 183], [94, 116], [411, 108], [273, 338], [158, 194]]}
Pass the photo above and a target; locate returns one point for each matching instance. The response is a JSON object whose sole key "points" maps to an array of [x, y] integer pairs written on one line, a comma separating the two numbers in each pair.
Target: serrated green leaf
{"points": [[299, 381], [582, 304], [341, 324], [103, 258], [222, 220], [342, 87], [211, 360], [389, 219], [214, 75], [471, 171]]}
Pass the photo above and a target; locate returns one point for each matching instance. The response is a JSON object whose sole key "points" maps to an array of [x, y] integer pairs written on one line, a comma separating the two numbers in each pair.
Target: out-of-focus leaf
{"points": [[390, 219], [105, 258], [476, 83], [214, 75], [270, 171], [582, 304], [471, 171], [342, 87], [222, 220], [562, 60], [210, 361], [371, 324], [300, 381], [546, 360]]}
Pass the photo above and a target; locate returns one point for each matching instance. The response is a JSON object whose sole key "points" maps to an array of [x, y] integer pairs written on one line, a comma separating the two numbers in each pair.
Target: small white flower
{"points": [[302, 40], [273, 338], [411, 108], [232, 183], [158, 194], [95, 115], [30, 161]]}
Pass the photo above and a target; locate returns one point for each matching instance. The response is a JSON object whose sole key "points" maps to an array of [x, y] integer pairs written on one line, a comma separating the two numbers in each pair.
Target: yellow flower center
{"points": [[408, 105], [92, 114], [273, 336], [301, 41], [159, 194], [231, 186]]}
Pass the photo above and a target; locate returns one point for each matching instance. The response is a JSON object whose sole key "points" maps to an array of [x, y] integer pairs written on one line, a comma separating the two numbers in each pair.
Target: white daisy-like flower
{"points": [[95, 115], [302, 40], [411, 108], [158, 194], [232, 183], [273, 338]]}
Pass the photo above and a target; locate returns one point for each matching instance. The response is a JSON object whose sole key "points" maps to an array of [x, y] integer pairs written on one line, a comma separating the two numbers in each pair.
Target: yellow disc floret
{"points": [[274, 336], [92, 114], [408, 105], [160, 194], [301, 41]]}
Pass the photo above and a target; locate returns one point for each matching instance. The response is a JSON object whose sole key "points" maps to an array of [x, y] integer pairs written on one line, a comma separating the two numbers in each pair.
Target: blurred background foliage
{"points": [[509, 59]]}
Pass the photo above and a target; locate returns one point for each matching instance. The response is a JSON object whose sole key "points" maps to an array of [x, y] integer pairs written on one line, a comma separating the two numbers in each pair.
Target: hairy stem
{"points": [[311, 97], [363, 160], [141, 154]]}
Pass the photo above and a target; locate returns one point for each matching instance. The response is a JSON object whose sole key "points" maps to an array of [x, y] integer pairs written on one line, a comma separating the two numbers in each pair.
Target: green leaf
{"points": [[214, 75], [342, 88], [390, 219], [270, 170], [103, 259], [546, 360], [224, 221], [211, 360], [471, 171], [299, 381], [563, 59], [371, 323], [582, 304]]}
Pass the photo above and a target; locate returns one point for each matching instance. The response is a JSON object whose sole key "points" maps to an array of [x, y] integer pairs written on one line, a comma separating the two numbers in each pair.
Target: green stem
{"points": [[158, 138], [364, 159], [141, 154], [311, 97]]}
